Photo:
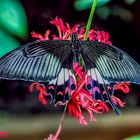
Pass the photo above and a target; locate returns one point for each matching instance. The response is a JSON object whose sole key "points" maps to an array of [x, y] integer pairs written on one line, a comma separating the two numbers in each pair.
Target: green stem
{"points": [[90, 19]]}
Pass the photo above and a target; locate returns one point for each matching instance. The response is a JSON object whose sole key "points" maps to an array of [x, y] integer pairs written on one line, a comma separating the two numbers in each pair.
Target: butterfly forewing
{"points": [[40, 61], [112, 63]]}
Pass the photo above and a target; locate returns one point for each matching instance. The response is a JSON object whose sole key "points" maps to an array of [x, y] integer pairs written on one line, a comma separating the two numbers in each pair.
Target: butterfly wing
{"points": [[113, 64], [105, 65], [40, 61]]}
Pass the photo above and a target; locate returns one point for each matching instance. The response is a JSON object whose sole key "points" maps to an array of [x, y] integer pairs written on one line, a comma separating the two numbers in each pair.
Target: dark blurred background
{"points": [[18, 18]]}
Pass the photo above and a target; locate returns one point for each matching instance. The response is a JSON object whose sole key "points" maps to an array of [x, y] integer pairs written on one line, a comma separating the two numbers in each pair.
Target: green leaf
{"points": [[133, 138], [103, 12], [13, 18], [7, 43], [86, 4], [130, 1]]}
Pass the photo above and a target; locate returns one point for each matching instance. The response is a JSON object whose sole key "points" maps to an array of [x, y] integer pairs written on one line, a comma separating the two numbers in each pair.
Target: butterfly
{"points": [[52, 61]]}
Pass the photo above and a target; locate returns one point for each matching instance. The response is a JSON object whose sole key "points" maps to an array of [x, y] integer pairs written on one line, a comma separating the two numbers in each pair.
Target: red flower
{"points": [[40, 37], [122, 86], [83, 98], [64, 32], [117, 101], [42, 92], [100, 36]]}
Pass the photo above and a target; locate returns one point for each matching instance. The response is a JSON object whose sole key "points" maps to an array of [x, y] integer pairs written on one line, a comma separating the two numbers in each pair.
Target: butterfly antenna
{"points": [[51, 18], [97, 27], [80, 27]]}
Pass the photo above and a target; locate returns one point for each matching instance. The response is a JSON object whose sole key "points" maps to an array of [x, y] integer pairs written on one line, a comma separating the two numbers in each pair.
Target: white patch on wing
{"points": [[95, 75], [53, 82], [99, 77], [59, 80], [66, 71], [61, 77], [91, 73], [73, 76], [88, 73]]}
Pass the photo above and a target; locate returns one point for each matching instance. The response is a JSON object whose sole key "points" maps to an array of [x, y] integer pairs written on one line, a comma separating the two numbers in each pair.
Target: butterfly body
{"points": [[75, 46]]}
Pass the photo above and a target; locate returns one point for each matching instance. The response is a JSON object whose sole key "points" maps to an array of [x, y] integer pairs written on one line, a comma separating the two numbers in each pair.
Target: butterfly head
{"points": [[74, 36]]}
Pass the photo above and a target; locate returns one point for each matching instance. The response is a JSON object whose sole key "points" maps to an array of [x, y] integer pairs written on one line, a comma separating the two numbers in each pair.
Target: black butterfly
{"points": [[43, 61], [51, 61]]}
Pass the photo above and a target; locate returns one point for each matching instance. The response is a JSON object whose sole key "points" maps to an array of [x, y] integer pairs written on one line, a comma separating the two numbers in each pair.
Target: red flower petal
{"points": [[42, 92], [123, 86]]}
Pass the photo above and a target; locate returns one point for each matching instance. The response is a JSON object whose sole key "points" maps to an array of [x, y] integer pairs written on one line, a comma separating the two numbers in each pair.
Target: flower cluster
{"points": [[64, 32], [80, 97]]}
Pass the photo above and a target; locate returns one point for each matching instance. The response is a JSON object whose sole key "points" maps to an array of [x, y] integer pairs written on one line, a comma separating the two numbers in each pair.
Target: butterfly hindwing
{"points": [[61, 87], [113, 64], [40, 61]]}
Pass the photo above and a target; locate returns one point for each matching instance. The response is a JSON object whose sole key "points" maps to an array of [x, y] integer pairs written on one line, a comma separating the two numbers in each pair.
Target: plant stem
{"points": [[56, 135], [90, 19]]}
